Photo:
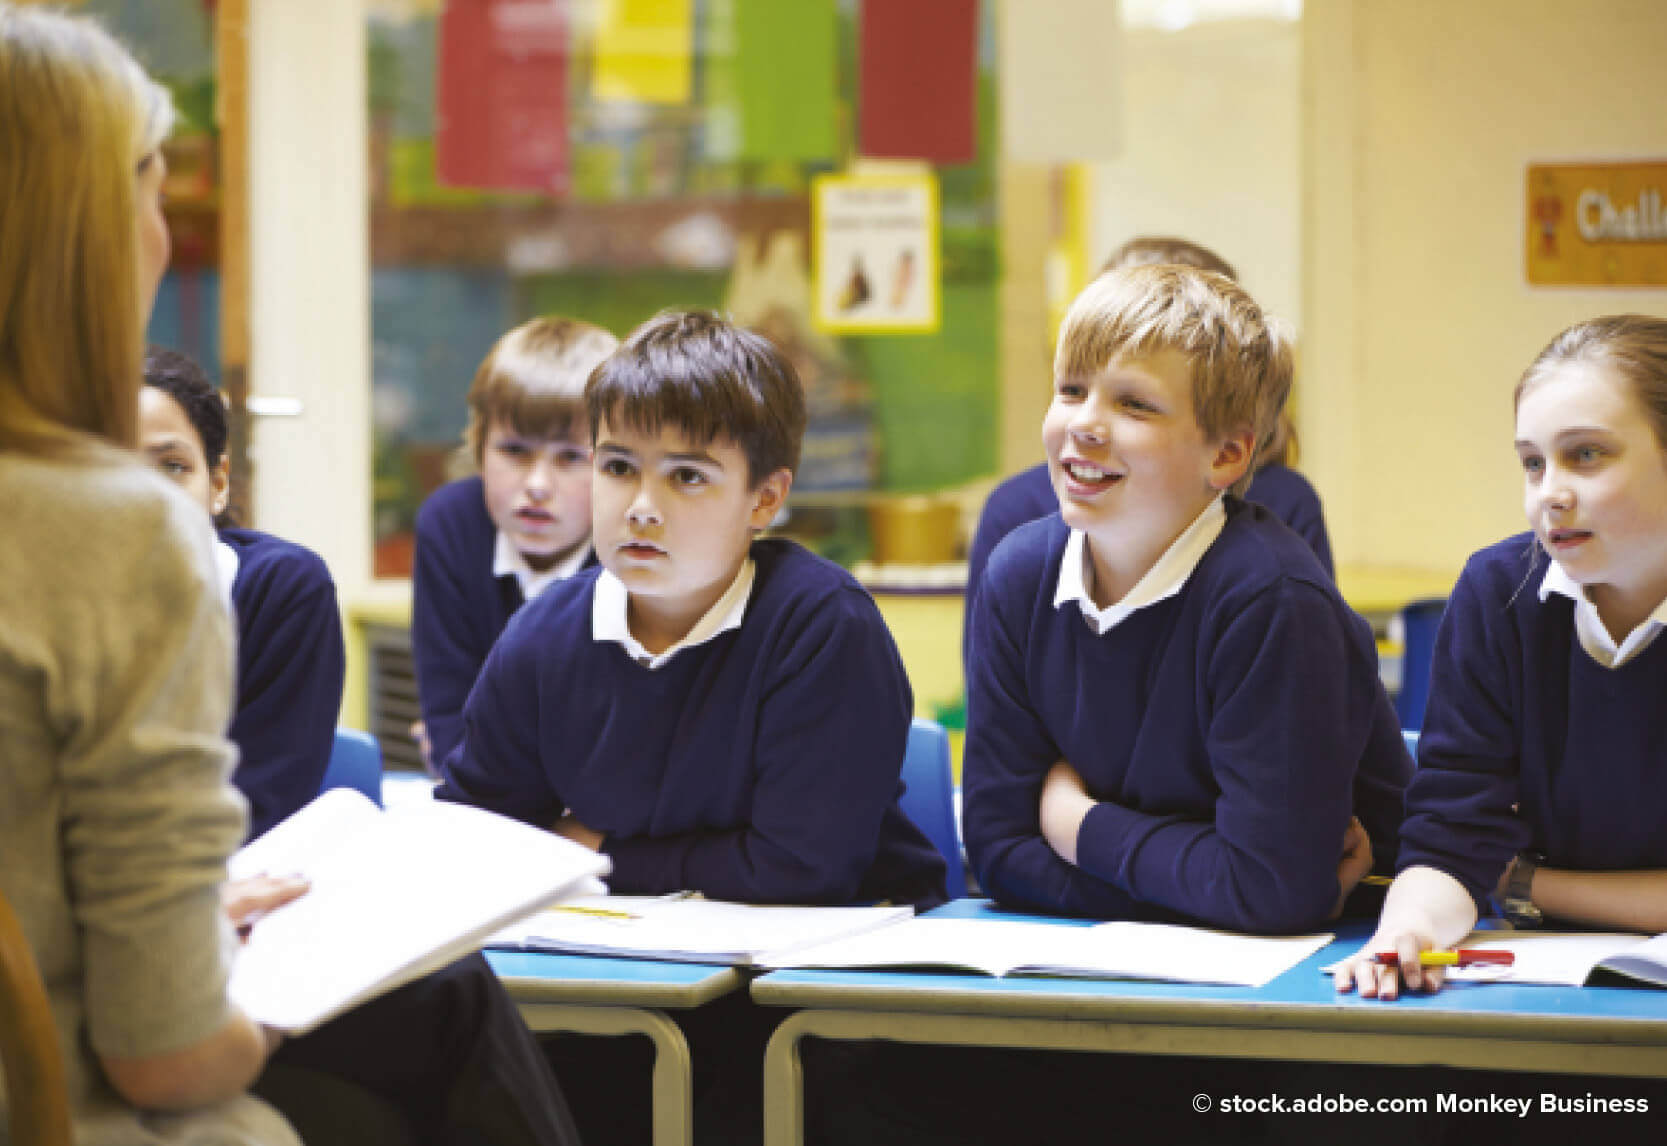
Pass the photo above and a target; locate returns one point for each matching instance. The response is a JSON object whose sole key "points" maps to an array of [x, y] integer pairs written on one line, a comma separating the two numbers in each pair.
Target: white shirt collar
{"points": [[1588, 626], [608, 621], [1162, 581], [507, 559], [226, 563]]}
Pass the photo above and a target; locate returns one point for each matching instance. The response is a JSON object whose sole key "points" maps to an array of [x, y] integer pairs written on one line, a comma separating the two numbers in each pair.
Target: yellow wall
{"points": [[1420, 117]]}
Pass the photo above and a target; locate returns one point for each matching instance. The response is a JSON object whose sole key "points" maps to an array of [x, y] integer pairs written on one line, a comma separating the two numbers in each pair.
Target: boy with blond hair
{"points": [[1172, 712], [486, 544]]}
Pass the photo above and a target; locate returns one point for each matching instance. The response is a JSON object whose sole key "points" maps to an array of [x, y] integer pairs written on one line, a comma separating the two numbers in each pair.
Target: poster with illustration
{"points": [[876, 253]]}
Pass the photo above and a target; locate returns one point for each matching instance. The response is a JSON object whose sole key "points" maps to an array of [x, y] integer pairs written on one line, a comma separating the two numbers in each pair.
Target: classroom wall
{"points": [[1419, 118], [1212, 150]]}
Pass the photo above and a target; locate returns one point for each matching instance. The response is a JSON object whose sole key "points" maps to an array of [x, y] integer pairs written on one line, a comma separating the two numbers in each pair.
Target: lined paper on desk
{"points": [[1120, 950]]}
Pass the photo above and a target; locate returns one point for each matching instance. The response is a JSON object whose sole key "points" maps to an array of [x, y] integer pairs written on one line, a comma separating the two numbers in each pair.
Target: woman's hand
{"points": [[246, 900]]}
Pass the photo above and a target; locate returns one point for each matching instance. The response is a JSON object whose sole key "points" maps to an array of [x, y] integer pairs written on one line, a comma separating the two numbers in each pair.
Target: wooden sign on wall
{"points": [[1597, 224]]}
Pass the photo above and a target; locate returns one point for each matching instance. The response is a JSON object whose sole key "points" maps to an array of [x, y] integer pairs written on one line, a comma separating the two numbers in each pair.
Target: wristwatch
{"points": [[1519, 887]]}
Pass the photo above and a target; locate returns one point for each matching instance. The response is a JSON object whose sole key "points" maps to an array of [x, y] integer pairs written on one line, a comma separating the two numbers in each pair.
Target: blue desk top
{"points": [[540, 977], [1303, 996]]}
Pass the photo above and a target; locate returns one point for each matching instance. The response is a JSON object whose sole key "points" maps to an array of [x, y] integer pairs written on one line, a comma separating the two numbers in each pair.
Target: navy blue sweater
{"points": [[290, 668], [1029, 495], [458, 607], [1229, 732], [761, 766], [1529, 743]]}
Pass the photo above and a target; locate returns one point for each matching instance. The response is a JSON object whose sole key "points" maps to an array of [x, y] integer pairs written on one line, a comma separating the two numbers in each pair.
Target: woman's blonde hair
{"points": [[77, 115], [1632, 345]]}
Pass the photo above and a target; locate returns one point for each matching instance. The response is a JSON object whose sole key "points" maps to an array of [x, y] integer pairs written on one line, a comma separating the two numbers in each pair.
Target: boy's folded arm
{"points": [[832, 732], [1008, 755], [1291, 710]]}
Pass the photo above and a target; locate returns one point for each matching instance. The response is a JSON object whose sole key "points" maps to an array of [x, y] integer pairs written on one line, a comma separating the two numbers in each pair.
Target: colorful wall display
{"points": [[501, 122], [917, 80]]}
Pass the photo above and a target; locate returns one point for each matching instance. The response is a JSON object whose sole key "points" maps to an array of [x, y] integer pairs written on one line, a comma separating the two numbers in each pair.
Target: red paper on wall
{"points": [[501, 120], [918, 75]]}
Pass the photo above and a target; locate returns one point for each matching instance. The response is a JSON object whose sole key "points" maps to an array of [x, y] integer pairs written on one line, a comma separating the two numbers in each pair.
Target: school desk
{"points": [[1496, 1026], [572, 993]]}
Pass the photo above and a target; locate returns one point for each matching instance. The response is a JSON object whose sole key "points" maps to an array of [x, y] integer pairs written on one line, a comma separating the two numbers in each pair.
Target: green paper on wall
{"points": [[786, 72]]}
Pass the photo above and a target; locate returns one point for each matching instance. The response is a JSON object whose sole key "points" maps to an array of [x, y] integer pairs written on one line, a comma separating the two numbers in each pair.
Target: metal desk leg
{"points": [[673, 1072], [784, 1082]]}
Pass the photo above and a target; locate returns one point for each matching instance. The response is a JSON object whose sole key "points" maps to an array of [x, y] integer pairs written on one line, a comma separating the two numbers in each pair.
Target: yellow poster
{"points": [[1597, 224], [644, 51], [875, 253]]}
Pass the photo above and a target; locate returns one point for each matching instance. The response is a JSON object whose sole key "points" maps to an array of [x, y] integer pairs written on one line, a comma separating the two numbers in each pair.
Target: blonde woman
{"points": [[115, 653]]}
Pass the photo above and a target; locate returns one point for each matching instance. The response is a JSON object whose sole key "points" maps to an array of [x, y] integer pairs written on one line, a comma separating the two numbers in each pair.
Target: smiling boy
{"points": [[712, 711], [1171, 712]]}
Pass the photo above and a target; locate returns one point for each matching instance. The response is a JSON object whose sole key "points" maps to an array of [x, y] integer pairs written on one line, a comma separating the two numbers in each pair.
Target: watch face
{"points": [[1523, 913]]}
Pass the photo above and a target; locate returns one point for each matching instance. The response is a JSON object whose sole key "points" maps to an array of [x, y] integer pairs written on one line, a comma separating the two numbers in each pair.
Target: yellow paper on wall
{"points": [[644, 51]]}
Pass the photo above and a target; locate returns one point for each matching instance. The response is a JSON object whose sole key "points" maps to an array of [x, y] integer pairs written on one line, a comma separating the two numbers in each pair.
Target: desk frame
{"points": [[1361, 1033], [609, 1007]]}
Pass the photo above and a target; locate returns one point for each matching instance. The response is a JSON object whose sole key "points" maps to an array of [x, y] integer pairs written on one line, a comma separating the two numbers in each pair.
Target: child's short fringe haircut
{"points": [[532, 381], [699, 372], [1632, 345], [1241, 360]]}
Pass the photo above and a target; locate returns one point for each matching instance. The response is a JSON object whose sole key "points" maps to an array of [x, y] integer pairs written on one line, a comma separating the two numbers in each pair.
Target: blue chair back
{"points": [[1419, 622], [929, 797], [355, 762]]}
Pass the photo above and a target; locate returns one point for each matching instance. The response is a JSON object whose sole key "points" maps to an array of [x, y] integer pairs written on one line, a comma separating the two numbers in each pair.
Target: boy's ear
{"points": [[1234, 454], [768, 499], [220, 486]]}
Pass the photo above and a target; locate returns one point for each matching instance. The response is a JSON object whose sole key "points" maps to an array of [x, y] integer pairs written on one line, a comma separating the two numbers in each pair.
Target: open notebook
{"points": [[394, 896], [1104, 951], [1563, 958], [686, 929]]}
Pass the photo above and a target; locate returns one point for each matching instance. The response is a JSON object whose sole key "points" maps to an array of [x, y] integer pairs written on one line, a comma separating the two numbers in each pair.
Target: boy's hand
{"points": [[419, 733], [1356, 863], [1065, 804], [569, 827], [246, 900], [1425, 910]]}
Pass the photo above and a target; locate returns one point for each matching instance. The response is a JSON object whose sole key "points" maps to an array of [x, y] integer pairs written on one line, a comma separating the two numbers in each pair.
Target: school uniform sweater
{"points": [[1228, 731], [458, 605], [1529, 743], [759, 766], [290, 669], [1029, 495]]}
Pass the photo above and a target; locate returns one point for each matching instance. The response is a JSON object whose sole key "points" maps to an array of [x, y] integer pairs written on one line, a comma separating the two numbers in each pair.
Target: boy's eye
{"points": [[513, 449], [615, 467], [1137, 405], [1586, 455], [571, 457], [1532, 465], [688, 475], [1068, 390]]}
